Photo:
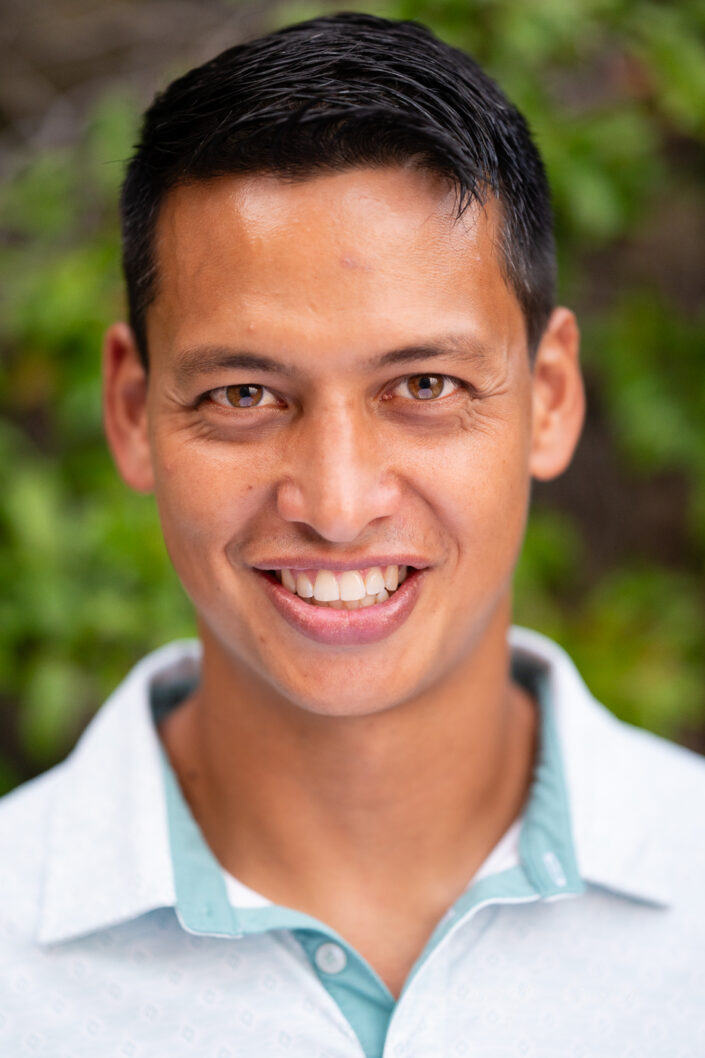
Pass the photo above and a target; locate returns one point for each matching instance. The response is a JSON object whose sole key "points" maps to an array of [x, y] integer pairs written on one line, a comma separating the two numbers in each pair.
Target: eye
{"points": [[426, 387], [244, 395]]}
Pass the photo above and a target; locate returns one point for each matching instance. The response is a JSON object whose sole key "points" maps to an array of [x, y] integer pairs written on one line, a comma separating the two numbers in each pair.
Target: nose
{"points": [[337, 479]]}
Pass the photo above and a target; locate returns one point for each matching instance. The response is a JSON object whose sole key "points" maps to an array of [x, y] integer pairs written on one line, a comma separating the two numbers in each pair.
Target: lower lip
{"points": [[345, 627]]}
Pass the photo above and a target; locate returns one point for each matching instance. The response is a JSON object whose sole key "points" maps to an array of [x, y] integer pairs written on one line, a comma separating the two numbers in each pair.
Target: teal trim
{"points": [[546, 847], [201, 897], [548, 870], [364, 999]]}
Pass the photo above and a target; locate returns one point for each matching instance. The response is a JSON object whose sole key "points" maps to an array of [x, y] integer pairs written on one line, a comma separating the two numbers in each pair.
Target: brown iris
{"points": [[425, 386], [244, 396]]}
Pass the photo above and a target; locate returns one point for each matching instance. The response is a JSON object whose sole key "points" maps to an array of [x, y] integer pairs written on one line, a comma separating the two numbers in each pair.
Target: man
{"points": [[362, 816]]}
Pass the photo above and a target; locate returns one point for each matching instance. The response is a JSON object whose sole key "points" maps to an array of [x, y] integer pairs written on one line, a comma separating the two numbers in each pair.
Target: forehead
{"points": [[353, 259]]}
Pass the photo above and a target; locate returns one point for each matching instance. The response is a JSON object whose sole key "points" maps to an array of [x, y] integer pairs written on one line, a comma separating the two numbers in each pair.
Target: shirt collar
{"points": [[108, 855], [608, 788]]}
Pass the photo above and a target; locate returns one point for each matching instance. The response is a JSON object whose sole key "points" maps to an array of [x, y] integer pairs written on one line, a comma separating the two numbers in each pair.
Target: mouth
{"points": [[344, 607], [350, 589]]}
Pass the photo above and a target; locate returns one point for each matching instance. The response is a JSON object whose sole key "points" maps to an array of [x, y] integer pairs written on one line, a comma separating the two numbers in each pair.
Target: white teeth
{"points": [[391, 578], [304, 587], [352, 586], [326, 587], [374, 581], [288, 580], [349, 589]]}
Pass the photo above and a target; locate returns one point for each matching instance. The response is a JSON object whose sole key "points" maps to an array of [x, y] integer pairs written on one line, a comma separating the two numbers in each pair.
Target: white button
{"points": [[553, 866], [330, 958]]}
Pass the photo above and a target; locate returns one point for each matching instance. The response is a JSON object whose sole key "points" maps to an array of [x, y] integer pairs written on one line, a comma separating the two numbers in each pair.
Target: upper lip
{"points": [[362, 562]]}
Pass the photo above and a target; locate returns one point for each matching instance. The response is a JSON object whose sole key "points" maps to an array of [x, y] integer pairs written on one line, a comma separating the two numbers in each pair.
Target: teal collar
{"points": [[546, 847]]}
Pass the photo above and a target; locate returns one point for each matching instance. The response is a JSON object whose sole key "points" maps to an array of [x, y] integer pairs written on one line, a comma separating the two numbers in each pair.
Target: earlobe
{"points": [[125, 408], [558, 397]]}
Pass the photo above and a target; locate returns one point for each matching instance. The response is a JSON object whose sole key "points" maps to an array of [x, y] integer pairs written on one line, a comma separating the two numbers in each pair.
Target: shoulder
{"points": [[668, 779], [677, 769], [644, 798], [664, 783]]}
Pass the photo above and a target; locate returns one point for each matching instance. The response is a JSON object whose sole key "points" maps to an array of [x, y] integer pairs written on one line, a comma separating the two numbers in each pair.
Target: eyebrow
{"points": [[456, 347], [200, 360]]}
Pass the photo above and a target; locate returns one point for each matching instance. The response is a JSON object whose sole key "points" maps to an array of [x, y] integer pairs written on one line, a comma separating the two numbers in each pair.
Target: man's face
{"points": [[389, 423]]}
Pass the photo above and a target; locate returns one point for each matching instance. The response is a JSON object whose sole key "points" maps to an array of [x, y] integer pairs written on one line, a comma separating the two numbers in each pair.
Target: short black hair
{"points": [[332, 94]]}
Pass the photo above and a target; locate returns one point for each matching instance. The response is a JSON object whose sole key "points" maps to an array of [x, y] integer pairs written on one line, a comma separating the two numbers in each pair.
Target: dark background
{"points": [[615, 555]]}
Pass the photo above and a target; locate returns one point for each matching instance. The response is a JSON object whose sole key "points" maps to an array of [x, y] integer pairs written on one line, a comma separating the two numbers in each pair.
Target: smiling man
{"points": [[362, 816]]}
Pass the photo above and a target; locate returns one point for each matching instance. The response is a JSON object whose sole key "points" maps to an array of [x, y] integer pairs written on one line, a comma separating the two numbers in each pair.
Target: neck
{"points": [[315, 812]]}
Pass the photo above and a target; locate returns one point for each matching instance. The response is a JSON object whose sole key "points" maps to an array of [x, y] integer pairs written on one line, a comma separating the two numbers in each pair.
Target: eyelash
{"points": [[458, 382]]}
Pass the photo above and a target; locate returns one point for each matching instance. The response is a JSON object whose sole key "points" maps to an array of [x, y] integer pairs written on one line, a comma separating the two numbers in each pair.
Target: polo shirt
{"points": [[582, 935]]}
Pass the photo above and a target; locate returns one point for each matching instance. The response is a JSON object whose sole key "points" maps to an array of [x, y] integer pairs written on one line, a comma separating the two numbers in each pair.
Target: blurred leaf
{"points": [[675, 58], [639, 636], [52, 707]]}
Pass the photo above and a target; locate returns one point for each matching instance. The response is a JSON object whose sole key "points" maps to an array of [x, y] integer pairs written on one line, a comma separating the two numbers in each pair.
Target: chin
{"points": [[340, 695], [348, 708]]}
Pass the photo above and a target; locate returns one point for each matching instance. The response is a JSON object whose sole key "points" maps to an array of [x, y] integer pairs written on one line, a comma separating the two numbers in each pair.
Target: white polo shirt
{"points": [[582, 936]]}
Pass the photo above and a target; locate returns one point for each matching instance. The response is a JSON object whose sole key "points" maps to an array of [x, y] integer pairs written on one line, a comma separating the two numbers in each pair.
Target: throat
{"points": [[392, 937], [374, 825]]}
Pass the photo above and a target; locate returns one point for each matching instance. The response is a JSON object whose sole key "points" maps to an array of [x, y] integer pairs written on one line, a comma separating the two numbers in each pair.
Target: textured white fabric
{"points": [[94, 962]]}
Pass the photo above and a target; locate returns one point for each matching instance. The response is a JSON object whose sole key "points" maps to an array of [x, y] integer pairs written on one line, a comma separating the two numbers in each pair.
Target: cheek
{"points": [[477, 483], [205, 493]]}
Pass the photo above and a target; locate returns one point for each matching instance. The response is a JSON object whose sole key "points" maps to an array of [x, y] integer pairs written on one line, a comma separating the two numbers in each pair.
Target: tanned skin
{"points": [[361, 784]]}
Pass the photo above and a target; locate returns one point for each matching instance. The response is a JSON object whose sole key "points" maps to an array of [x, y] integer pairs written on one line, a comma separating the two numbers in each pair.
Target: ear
{"points": [[558, 397], [125, 407]]}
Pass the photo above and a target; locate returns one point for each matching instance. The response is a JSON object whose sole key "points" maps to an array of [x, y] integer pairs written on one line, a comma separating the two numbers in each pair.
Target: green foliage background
{"points": [[613, 564]]}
